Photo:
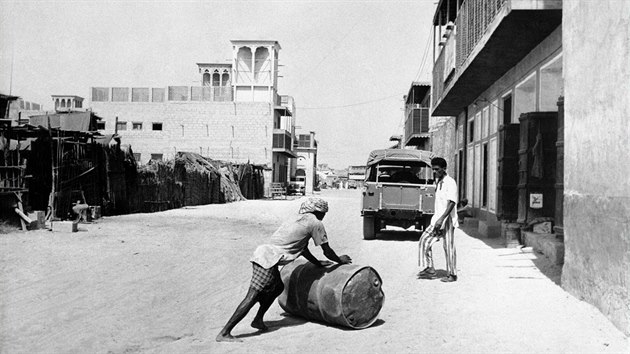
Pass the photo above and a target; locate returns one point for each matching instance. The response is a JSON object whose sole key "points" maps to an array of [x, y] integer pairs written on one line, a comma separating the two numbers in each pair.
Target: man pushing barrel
{"points": [[286, 244]]}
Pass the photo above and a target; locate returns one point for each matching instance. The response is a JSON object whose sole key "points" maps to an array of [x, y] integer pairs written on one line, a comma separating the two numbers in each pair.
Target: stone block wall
{"points": [[229, 131], [597, 163]]}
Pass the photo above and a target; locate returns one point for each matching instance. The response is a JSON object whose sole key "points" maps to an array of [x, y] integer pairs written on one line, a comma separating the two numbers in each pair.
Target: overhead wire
{"points": [[331, 51], [353, 104], [424, 57]]}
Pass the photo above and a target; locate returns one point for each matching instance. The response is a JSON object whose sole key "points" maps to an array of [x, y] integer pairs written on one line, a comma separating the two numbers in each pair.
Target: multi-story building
{"points": [[236, 115], [499, 71], [306, 163], [495, 60]]}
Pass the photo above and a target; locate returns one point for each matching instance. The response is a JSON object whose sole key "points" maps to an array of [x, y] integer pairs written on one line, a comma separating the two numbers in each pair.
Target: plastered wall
{"points": [[596, 42]]}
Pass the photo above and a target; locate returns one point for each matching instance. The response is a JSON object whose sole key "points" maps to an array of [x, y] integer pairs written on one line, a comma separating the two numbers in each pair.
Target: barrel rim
{"points": [[371, 322]]}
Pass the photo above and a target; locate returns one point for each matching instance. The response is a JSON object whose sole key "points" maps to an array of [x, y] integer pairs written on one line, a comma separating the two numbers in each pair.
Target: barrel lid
{"points": [[362, 298]]}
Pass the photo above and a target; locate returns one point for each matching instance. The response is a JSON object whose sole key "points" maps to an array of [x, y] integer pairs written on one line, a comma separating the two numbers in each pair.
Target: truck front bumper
{"points": [[396, 214]]}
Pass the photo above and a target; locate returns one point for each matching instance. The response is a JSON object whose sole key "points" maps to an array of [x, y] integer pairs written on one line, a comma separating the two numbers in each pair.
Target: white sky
{"points": [[334, 53]]}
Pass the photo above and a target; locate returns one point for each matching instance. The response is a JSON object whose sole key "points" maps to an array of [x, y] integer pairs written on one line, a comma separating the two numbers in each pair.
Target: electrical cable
{"points": [[353, 104]]}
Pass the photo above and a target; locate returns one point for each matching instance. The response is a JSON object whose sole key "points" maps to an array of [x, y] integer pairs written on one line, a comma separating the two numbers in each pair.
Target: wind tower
{"points": [[255, 70]]}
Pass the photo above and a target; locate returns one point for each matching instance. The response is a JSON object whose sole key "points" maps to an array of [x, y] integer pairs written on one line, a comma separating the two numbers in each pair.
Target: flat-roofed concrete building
{"points": [[236, 114]]}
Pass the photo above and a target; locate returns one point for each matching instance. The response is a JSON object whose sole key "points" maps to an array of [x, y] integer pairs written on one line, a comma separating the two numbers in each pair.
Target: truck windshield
{"points": [[415, 172]]}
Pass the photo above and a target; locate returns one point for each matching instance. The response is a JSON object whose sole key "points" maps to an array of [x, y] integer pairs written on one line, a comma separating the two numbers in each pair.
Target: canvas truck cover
{"points": [[377, 156]]}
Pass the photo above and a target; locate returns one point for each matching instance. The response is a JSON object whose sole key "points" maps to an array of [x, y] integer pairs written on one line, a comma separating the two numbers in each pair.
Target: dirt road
{"points": [[167, 282]]}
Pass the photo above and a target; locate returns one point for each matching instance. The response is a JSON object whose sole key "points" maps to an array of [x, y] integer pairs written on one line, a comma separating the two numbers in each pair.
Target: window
{"points": [[525, 97], [157, 126], [478, 126], [494, 114], [469, 175], [304, 141], [477, 178], [100, 94], [121, 126], [484, 175], [136, 126], [551, 84], [485, 120], [471, 130], [156, 157], [507, 109], [100, 125], [492, 175]]}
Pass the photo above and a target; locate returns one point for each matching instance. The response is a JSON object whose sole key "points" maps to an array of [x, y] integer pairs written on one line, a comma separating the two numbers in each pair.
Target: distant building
{"points": [[16, 110], [67, 102], [235, 115], [356, 175], [306, 162]]}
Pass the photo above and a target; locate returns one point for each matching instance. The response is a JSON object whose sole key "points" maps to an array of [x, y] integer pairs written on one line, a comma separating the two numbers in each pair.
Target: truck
{"points": [[297, 185], [398, 190]]}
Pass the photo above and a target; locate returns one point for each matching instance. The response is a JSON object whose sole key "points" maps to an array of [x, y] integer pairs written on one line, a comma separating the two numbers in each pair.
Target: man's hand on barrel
{"points": [[330, 254], [345, 259]]}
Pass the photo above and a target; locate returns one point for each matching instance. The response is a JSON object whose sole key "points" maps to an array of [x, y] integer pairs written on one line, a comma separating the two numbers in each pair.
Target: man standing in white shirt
{"points": [[443, 224]]}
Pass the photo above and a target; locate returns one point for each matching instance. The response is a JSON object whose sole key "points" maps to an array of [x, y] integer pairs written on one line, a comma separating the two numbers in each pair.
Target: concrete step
{"points": [[546, 244]]}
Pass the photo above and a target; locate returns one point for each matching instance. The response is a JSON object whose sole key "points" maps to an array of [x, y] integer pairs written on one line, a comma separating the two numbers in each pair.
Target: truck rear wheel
{"points": [[369, 227]]}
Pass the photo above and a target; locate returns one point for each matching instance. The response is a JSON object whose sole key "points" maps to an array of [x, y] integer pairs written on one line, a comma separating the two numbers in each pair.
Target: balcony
{"points": [[282, 143], [417, 126], [489, 38]]}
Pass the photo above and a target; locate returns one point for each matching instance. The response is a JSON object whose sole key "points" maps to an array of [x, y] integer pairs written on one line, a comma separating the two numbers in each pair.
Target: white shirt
{"points": [[290, 240], [445, 191]]}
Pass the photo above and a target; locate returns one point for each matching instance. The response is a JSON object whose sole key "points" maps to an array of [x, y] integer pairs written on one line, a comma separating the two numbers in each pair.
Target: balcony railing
{"points": [[472, 21], [489, 38], [160, 94], [417, 124]]}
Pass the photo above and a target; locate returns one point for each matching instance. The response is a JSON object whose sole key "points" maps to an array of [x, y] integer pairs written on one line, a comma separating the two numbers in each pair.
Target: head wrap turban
{"points": [[313, 204]]}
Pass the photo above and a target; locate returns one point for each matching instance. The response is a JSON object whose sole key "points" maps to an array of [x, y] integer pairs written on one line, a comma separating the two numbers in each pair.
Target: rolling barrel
{"points": [[347, 295]]}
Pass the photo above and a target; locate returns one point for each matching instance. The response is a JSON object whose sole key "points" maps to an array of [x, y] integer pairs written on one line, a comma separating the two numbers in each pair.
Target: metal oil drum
{"points": [[347, 295]]}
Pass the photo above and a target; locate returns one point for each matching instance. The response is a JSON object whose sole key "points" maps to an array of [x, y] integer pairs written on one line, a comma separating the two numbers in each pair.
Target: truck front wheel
{"points": [[369, 227]]}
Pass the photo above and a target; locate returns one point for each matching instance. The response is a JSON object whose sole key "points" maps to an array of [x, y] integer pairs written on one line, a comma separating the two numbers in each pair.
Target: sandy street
{"points": [[167, 282]]}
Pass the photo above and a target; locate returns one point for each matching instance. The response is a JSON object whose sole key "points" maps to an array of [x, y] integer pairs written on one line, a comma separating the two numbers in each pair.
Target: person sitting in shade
{"points": [[463, 210], [288, 243], [81, 210]]}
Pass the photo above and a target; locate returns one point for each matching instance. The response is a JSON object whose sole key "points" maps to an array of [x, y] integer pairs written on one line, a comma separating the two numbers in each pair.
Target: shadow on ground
{"points": [[398, 235], [544, 264], [287, 321]]}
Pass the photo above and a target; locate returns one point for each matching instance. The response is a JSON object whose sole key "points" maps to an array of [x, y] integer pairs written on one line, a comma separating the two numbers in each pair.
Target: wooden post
{"points": [[20, 211], [51, 197]]}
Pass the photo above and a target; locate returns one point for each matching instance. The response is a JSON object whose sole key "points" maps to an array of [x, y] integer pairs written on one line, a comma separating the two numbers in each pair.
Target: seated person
{"points": [[405, 176], [463, 210], [81, 209]]}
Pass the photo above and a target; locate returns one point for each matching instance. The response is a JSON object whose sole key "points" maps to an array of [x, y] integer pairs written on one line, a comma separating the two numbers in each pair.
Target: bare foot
{"points": [[259, 324], [227, 338]]}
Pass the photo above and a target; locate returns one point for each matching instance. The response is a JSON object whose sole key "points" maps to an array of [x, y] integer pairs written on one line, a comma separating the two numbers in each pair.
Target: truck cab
{"points": [[398, 190]]}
